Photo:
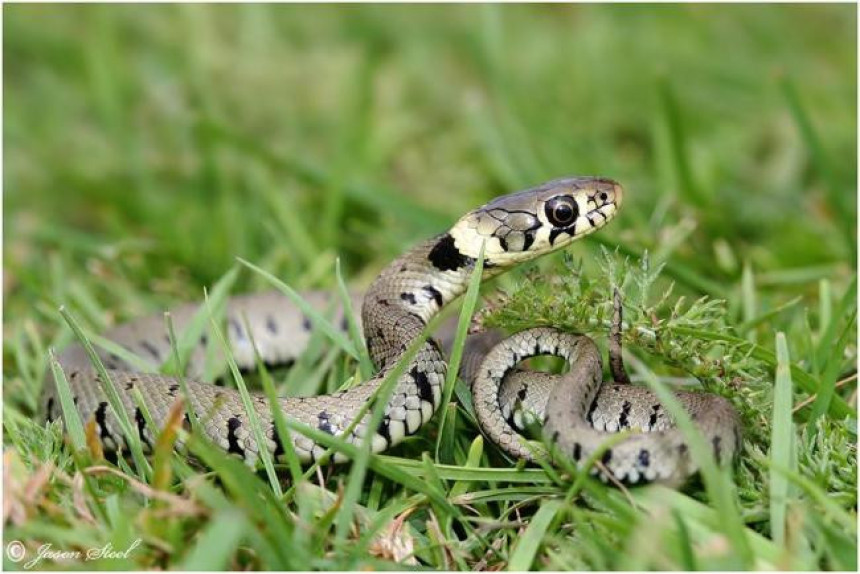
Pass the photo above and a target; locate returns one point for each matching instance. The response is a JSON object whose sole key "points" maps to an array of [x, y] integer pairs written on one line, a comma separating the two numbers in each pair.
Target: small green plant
{"points": [[692, 343]]}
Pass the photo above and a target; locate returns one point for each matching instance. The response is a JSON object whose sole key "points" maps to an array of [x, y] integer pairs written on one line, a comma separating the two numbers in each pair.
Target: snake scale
{"points": [[578, 413]]}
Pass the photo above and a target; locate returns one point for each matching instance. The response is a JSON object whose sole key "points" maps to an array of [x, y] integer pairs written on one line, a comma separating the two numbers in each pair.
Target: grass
{"points": [[149, 147]]}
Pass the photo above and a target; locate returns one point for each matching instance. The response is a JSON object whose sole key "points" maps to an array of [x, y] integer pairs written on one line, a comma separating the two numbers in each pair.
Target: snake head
{"points": [[525, 224]]}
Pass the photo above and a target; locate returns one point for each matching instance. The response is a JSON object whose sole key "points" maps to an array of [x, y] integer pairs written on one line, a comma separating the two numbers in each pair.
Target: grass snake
{"points": [[578, 412]]}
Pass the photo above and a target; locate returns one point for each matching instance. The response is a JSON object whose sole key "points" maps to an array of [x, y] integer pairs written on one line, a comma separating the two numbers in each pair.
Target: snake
{"points": [[578, 412]]}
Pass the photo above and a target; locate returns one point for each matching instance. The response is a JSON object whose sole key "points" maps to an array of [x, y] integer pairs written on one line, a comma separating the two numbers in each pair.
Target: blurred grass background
{"points": [[170, 139], [146, 147]]}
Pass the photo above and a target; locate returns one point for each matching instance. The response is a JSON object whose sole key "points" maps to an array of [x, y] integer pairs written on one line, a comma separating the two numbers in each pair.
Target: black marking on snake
{"points": [[271, 325], [344, 323], [555, 232], [717, 447], [113, 361], [577, 451], [237, 329], [682, 449], [49, 409], [607, 456], [101, 421], [383, 430], [141, 426], [204, 340], [590, 415], [644, 458], [521, 394], [503, 242], [383, 302], [417, 317], [233, 425], [279, 447], [555, 436], [435, 294], [435, 346], [446, 257], [129, 385], [186, 423], [149, 348], [655, 410], [623, 421], [324, 423], [529, 240], [74, 375], [409, 298], [306, 323], [173, 389], [425, 389], [75, 401]]}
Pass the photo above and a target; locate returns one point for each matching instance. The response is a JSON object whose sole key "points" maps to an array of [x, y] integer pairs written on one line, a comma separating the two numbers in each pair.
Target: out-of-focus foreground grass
{"points": [[146, 147]]}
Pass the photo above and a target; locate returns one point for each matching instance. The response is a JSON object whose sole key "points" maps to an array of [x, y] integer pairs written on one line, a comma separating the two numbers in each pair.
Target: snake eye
{"points": [[561, 211]]}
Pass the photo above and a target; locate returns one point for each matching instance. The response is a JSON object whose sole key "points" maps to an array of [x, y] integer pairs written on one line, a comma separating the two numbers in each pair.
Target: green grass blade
{"points": [[748, 297], [470, 301], [71, 417], [364, 363], [217, 544], [688, 557], [134, 360], [528, 545], [827, 388], [463, 473], [190, 336], [781, 440], [180, 371]]}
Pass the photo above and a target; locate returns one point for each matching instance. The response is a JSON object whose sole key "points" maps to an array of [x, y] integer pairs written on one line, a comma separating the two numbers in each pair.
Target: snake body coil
{"points": [[396, 308]]}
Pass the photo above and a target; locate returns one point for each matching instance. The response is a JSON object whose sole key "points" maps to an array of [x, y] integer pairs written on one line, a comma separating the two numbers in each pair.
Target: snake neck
{"points": [[408, 293]]}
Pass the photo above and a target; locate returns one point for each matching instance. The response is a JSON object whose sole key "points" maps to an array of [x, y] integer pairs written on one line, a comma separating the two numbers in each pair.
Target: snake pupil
{"points": [[561, 211]]}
